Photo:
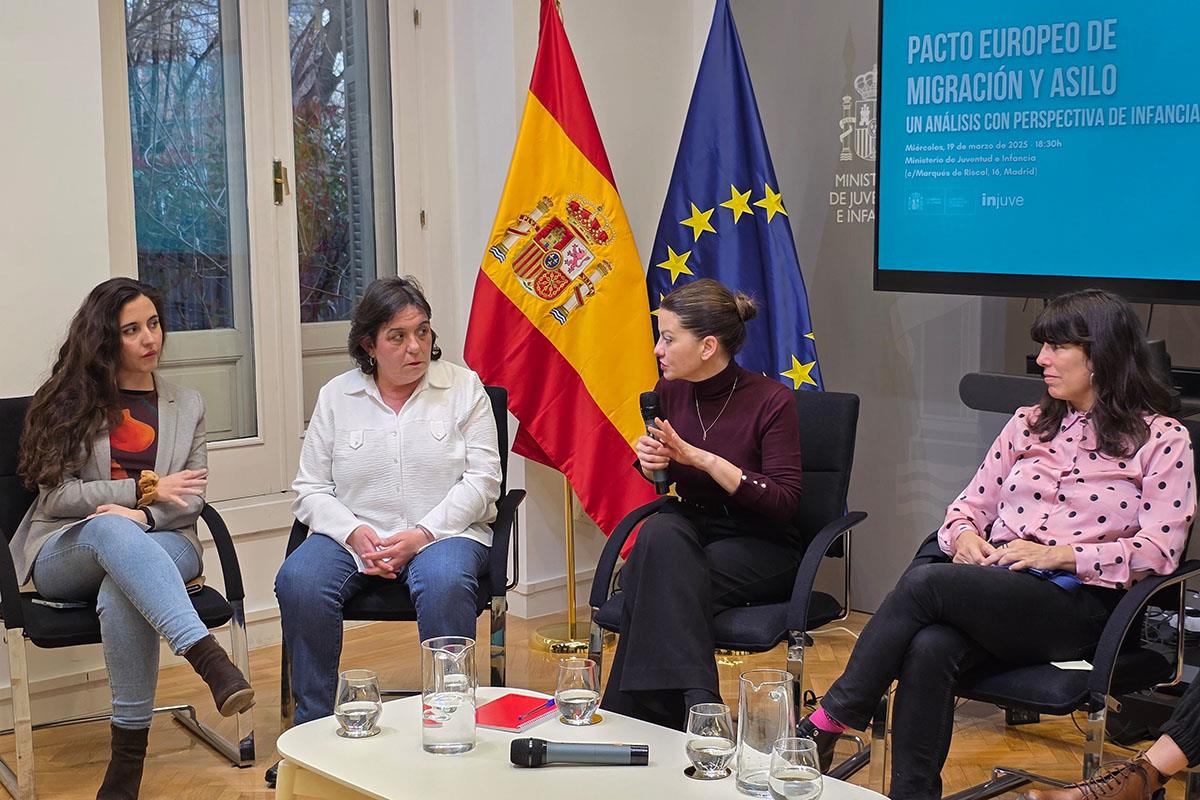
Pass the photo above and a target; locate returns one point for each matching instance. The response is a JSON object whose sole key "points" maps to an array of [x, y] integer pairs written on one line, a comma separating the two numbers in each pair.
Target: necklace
{"points": [[704, 429]]}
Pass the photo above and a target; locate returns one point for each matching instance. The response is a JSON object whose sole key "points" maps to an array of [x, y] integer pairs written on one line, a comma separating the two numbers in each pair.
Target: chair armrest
{"points": [[226, 553], [1104, 662], [602, 579], [806, 574], [504, 534], [10, 591], [930, 552], [296, 537]]}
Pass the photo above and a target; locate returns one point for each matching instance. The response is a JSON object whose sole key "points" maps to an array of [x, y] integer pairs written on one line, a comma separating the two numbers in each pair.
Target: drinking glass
{"points": [[577, 693], [710, 744], [358, 704], [795, 770]]}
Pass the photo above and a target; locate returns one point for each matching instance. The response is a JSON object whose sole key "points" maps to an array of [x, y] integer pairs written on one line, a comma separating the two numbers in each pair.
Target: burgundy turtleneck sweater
{"points": [[758, 432]]}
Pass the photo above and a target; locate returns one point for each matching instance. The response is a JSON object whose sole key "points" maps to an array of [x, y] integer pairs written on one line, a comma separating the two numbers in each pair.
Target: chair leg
{"points": [[795, 665], [287, 701], [596, 648], [1093, 746], [878, 771], [499, 612], [19, 783], [240, 752], [1193, 786]]}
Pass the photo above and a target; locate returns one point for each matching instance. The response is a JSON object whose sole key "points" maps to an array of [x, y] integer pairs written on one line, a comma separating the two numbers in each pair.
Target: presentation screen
{"points": [[1028, 147]]}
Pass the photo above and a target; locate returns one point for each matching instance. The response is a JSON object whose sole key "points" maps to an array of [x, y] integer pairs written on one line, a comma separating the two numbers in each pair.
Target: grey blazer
{"points": [[181, 445]]}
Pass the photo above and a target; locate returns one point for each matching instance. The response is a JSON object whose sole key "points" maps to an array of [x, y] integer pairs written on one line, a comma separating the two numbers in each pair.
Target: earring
{"points": [[371, 359], [1091, 377]]}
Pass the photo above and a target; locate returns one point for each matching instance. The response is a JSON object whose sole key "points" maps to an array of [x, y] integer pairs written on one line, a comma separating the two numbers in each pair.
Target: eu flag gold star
{"points": [[654, 313], [698, 222], [800, 374], [676, 263], [773, 203], [738, 203]]}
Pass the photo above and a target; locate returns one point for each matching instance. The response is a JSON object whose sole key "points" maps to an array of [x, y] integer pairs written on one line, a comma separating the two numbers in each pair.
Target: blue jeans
{"points": [[136, 579], [317, 580]]}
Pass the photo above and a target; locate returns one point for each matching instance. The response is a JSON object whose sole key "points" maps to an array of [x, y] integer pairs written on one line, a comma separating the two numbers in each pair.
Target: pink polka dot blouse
{"points": [[1124, 517]]}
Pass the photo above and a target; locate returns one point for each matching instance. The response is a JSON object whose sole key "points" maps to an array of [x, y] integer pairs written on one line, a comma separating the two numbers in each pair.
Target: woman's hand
{"points": [[179, 486], [364, 541], [651, 454], [135, 514], [396, 551], [971, 548], [1021, 554], [676, 449]]}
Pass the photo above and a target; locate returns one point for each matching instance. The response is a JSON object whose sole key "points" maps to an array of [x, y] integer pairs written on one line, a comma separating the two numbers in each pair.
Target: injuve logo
{"points": [[998, 201]]}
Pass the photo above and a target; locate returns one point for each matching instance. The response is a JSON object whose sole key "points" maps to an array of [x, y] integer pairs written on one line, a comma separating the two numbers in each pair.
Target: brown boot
{"points": [[124, 776], [1137, 779], [231, 691]]}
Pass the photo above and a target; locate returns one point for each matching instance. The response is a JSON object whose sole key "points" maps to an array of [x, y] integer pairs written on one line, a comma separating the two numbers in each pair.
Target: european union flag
{"points": [[724, 216]]}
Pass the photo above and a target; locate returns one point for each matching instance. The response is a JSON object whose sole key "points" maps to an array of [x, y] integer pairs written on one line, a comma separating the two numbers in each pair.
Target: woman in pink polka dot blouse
{"points": [[1078, 498]]}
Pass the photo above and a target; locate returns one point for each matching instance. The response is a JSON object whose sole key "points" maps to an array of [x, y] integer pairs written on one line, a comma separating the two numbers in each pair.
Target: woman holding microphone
{"points": [[729, 441]]}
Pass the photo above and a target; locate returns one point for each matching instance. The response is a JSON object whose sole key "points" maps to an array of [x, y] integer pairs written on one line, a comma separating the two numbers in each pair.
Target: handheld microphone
{"points": [[530, 752], [650, 410]]}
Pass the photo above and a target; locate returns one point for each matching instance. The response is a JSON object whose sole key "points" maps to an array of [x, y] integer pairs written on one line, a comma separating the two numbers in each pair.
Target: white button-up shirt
{"points": [[435, 463]]}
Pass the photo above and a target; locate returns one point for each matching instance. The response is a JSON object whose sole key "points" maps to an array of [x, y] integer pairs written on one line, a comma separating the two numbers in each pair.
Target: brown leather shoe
{"points": [[1136, 779]]}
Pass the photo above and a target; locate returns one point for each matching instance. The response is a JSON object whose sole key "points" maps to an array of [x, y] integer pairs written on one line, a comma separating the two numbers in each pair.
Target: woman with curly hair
{"points": [[118, 457]]}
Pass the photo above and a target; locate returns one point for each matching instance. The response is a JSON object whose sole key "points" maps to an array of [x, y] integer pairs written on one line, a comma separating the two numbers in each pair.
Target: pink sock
{"points": [[825, 722]]}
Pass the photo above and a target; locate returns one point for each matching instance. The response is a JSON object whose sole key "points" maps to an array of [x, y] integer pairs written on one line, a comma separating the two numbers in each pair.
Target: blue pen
{"points": [[537, 710]]}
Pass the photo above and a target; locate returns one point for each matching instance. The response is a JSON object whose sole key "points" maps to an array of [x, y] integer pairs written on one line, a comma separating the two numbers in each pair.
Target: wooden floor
{"points": [[71, 760]]}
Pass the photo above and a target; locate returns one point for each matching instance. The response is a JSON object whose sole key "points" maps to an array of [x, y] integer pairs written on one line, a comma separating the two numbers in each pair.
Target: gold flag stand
{"points": [[571, 637]]}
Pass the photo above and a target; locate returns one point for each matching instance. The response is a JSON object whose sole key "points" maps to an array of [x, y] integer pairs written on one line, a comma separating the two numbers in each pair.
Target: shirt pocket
{"points": [[356, 440], [438, 429]]}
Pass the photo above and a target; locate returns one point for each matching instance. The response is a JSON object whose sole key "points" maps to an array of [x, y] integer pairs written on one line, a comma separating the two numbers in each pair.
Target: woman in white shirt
{"points": [[398, 480]]}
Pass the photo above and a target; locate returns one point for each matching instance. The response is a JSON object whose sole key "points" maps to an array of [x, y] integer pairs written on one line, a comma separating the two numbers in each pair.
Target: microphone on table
{"points": [[650, 410], [530, 752]]}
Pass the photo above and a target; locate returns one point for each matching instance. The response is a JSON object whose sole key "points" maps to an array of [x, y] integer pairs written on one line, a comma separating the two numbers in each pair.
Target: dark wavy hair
{"points": [[1125, 385], [706, 307], [81, 397], [383, 299]]}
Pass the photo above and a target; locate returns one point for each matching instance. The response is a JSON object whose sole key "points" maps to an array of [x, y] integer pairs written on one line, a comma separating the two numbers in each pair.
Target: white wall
{"points": [[52, 218]]}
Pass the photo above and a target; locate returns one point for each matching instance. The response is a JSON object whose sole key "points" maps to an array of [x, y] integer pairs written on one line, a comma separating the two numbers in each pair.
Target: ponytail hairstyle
{"points": [[705, 307]]}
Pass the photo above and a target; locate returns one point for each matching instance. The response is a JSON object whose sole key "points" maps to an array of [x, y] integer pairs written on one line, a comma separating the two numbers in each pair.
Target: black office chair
{"points": [[51, 627], [393, 603], [1120, 665], [828, 424]]}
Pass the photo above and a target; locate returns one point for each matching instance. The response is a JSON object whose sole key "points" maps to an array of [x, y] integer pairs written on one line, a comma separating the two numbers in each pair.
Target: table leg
{"points": [[285, 781], [296, 782]]}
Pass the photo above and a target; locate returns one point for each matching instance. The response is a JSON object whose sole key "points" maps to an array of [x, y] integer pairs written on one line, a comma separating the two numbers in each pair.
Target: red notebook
{"points": [[514, 712]]}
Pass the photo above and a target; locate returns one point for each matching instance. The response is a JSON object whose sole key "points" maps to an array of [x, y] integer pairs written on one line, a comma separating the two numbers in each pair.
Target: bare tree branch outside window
{"points": [[180, 158]]}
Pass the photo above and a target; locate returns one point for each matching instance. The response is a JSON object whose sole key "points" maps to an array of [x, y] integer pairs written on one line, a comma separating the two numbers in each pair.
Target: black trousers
{"points": [[1184, 725], [941, 620], [686, 567]]}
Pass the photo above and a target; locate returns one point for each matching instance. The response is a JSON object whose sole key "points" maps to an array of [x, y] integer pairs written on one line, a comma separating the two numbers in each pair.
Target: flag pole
{"points": [[573, 636], [569, 533]]}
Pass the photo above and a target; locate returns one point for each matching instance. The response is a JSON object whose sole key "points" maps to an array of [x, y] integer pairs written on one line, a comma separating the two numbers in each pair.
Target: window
{"points": [[346, 230], [189, 189]]}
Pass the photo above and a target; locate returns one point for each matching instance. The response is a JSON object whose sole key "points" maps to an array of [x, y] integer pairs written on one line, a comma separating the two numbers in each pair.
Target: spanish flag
{"points": [[560, 316]]}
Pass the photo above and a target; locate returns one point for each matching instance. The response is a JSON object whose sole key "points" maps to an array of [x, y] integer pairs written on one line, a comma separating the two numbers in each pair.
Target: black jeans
{"points": [[686, 567], [940, 621], [1184, 725]]}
